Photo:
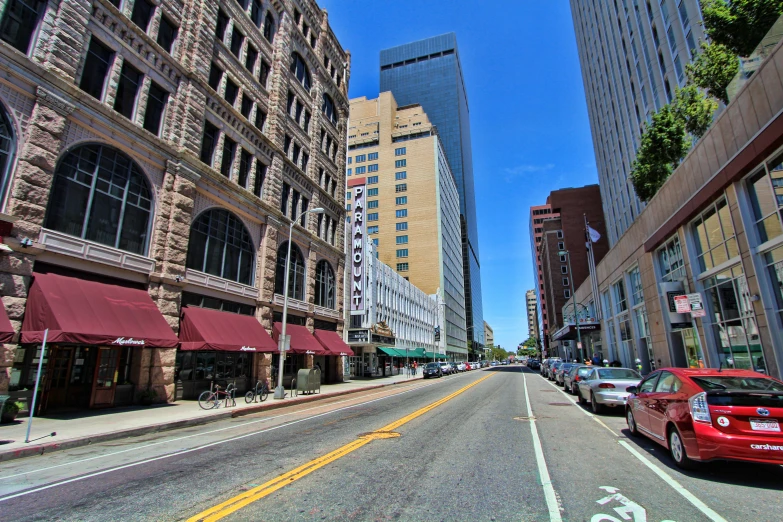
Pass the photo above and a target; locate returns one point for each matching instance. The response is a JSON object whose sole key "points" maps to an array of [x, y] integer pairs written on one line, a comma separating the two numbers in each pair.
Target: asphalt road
{"points": [[471, 447]]}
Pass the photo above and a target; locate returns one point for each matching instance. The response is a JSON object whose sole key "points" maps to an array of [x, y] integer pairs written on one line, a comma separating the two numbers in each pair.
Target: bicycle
{"points": [[210, 399], [261, 391]]}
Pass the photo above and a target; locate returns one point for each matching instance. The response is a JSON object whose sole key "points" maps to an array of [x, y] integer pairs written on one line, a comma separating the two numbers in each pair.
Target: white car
{"points": [[460, 366]]}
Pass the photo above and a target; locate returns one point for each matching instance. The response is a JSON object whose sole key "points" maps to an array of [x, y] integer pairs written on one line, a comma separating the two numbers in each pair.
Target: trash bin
{"points": [[308, 380]]}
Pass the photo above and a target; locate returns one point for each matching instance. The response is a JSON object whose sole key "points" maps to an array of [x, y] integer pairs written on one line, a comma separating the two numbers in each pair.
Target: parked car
{"points": [[709, 414], [607, 387], [446, 368], [534, 364], [460, 366], [550, 374], [545, 365], [561, 371], [574, 375], [432, 370]]}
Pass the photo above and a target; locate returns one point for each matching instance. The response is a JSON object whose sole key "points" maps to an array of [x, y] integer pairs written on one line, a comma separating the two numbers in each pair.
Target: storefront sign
{"points": [[358, 336], [122, 341], [247, 349], [358, 245], [383, 339], [697, 306]]}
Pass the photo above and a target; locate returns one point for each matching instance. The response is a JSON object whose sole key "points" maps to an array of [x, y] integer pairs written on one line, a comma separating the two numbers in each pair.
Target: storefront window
{"points": [[714, 236], [734, 324], [637, 295], [692, 347], [212, 365], [670, 261], [774, 261]]}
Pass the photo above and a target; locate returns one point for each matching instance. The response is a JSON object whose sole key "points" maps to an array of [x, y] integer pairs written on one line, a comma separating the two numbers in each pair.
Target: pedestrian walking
{"points": [[596, 360], [415, 367]]}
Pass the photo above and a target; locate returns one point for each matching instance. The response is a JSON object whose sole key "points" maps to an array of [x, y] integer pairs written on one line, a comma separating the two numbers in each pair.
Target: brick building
{"points": [[155, 153]]}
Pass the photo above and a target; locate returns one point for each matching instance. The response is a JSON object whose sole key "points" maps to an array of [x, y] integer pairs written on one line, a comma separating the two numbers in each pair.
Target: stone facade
{"points": [[51, 115]]}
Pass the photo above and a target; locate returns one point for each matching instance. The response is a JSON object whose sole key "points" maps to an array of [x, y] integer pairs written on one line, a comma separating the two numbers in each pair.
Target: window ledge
{"points": [[294, 304], [198, 278], [326, 312], [61, 243]]}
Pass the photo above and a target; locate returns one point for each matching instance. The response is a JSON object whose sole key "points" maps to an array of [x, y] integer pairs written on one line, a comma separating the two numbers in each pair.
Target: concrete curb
{"points": [[40, 449]]}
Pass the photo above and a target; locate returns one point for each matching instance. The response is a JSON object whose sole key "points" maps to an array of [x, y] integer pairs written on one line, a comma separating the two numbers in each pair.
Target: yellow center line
{"points": [[248, 497]]}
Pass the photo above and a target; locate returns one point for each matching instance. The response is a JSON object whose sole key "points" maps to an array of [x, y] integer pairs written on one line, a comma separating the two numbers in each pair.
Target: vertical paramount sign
{"points": [[357, 246]]}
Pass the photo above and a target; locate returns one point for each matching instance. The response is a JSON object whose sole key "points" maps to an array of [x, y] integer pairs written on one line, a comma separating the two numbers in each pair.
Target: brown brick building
{"points": [[164, 148]]}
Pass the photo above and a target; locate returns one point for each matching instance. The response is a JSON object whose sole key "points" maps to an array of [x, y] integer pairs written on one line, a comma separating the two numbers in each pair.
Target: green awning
{"points": [[389, 351], [435, 355]]}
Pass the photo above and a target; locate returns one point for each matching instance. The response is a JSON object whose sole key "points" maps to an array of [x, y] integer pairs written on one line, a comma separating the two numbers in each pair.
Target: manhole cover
{"points": [[560, 404]]}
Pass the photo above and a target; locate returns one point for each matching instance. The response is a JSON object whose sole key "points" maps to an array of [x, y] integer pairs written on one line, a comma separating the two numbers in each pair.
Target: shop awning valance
{"points": [[213, 330], [333, 342], [435, 355], [388, 351], [302, 341], [6, 330], [88, 312]]}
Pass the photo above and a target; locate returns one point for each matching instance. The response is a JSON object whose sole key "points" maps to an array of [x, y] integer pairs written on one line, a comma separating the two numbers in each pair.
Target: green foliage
{"points": [[713, 69], [664, 142], [496, 353], [695, 109], [739, 24]]}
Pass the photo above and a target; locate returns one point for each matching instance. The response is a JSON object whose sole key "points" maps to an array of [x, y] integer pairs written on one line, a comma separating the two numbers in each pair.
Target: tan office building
{"points": [[532, 316], [412, 203], [489, 335]]}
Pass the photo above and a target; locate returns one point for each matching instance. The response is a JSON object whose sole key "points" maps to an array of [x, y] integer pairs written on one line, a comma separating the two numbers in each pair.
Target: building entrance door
{"points": [[105, 381], [57, 376]]}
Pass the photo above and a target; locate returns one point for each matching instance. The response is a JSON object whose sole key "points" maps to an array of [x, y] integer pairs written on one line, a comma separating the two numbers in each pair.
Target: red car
{"points": [[706, 414]]}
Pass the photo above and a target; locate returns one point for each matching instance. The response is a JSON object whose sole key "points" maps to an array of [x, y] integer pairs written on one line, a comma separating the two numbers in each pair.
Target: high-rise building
{"points": [[412, 203], [428, 72], [489, 335], [153, 158], [532, 315], [560, 227], [538, 214], [633, 55]]}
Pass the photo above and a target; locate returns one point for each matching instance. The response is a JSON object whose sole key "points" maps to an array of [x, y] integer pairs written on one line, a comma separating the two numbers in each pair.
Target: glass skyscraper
{"points": [[428, 72]]}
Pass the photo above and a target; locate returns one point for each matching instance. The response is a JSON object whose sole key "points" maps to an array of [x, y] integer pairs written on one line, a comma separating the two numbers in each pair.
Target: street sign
{"points": [[699, 313], [284, 344], [695, 301], [579, 345], [681, 304]]}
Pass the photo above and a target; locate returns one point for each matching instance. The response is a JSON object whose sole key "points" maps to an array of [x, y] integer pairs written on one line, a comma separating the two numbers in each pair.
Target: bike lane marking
{"points": [[189, 450], [552, 503], [670, 481], [257, 493]]}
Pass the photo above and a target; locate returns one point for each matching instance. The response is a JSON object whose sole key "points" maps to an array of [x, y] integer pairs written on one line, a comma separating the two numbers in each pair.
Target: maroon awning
{"points": [[205, 329], [302, 341], [333, 342], [87, 312], [6, 330]]}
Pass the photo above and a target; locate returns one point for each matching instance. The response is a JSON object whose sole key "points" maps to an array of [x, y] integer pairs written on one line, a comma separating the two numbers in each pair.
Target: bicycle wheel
{"points": [[207, 400], [264, 393], [250, 397]]}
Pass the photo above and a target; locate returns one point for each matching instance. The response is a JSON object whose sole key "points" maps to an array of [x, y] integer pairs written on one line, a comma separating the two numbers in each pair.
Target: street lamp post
{"points": [[573, 296], [279, 390]]}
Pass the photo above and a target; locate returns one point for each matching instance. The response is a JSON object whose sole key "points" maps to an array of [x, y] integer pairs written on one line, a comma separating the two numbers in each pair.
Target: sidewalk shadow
{"points": [[86, 414]]}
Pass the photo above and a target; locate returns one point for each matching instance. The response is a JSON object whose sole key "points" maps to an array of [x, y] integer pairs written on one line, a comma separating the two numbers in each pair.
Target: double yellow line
{"points": [[248, 497]]}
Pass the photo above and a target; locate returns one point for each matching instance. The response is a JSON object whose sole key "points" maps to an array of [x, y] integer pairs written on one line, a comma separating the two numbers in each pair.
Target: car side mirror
{"points": [[632, 389]]}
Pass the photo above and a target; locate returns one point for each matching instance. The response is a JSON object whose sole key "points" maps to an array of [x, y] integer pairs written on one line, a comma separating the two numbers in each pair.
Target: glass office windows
{"points": [[635, 279], [765, 189], [670, 260], [621, 304], [714, 236], [774, 262]]}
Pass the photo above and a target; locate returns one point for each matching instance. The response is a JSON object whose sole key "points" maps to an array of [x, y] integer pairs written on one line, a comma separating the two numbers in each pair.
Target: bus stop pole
{"points": [[37, 383]]}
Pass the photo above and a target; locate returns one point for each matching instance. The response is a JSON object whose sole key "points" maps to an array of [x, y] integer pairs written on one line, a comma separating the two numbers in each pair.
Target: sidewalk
{"points": [[92, 426]]}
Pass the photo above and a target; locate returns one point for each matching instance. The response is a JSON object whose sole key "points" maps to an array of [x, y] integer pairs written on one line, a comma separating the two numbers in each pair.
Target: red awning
{"points": [[333, 342], [87, 312], [6, 330], [205, 329], [302, 341]]}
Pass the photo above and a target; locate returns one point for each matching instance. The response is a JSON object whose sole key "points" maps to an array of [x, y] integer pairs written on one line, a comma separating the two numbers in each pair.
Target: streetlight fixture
{"points": [[279, 390], [573, 296]]}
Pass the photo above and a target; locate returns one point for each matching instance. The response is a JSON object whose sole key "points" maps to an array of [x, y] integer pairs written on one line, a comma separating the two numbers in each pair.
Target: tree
{"points": [[713, 70], [695, 109], [739, 25]]}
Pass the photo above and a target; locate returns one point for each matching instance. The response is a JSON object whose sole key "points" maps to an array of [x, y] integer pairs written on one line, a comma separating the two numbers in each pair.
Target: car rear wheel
{"points": [[597, 408], [677, 450], [631, 422]]}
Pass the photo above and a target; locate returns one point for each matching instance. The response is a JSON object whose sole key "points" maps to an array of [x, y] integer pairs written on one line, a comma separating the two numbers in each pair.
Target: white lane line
{"points": [[578, 407], [690, 497], [549, 491], [244, 424]]}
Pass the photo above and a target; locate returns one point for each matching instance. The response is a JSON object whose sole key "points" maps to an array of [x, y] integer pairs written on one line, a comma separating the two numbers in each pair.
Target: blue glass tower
{"points": [[428, 72]]}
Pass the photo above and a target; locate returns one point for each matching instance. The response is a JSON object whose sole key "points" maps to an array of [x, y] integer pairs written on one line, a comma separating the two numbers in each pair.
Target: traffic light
{"points": [[437, 334]]}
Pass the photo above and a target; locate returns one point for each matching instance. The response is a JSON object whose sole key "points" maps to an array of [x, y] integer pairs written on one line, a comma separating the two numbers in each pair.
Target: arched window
{"points": [[7, 147], [100, 194], [300, 70], [296, 272], [328, 109], [269, 27], [220, 245], [324, 285]]}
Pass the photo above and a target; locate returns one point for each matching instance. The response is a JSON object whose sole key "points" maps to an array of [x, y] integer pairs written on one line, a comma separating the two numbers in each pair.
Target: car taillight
{"points": [[700, 411], [576, 378], [606, 385]]}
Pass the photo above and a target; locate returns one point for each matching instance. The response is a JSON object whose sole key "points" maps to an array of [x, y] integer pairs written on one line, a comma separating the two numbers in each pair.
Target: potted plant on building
{"points": [[10, 411], [148, 396]]}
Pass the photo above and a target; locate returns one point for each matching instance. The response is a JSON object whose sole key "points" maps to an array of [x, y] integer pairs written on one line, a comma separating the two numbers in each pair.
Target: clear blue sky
{"points": [[528, 117]]}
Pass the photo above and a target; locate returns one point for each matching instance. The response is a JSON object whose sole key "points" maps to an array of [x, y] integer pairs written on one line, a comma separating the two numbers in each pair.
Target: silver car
{"points": [[606, 387]]}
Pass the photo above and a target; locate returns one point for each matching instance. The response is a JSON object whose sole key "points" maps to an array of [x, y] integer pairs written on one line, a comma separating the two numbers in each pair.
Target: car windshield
{"points": [[618, 373], [719, 382], [585, 370], [433, 365]]}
